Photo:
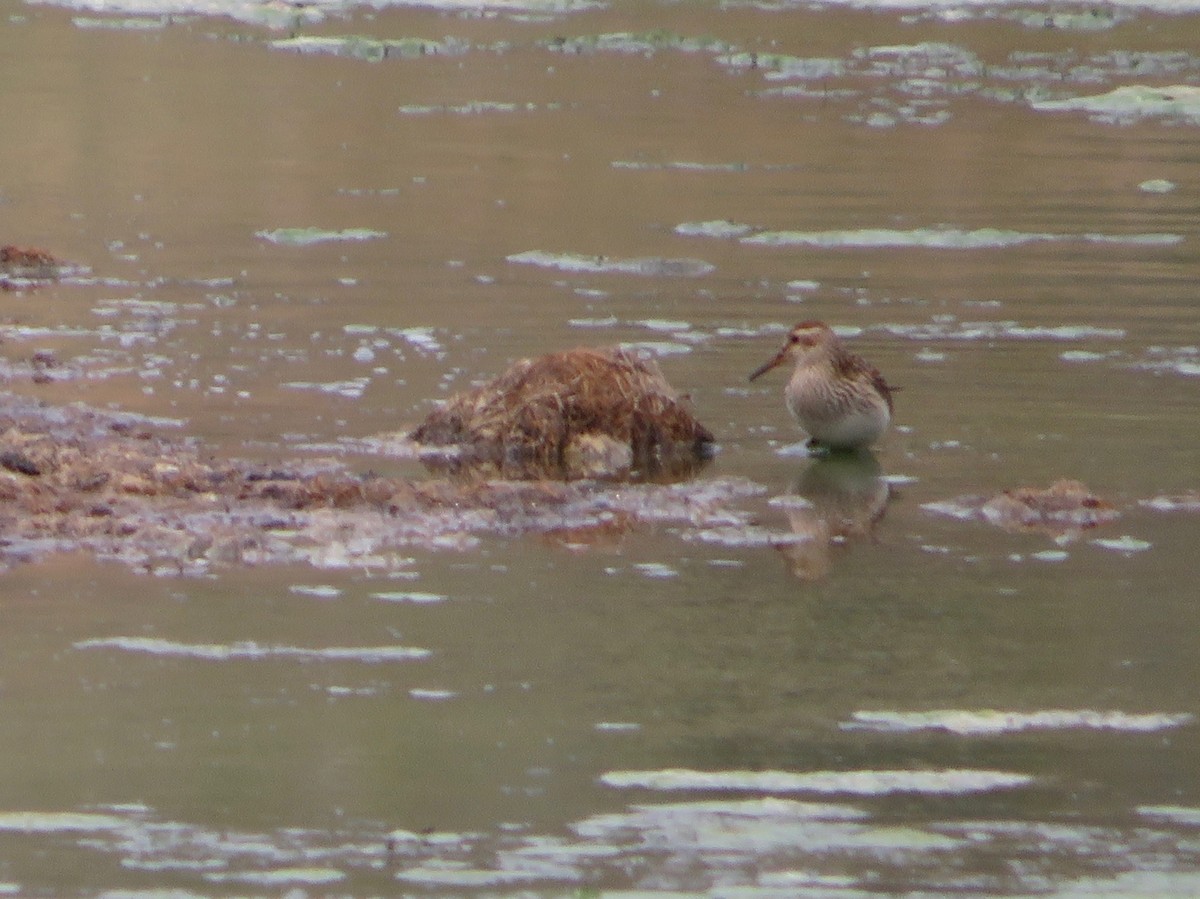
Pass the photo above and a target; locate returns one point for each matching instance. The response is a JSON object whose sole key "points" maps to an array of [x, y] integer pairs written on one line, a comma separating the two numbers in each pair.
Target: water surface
{"points": [[294, 245]]}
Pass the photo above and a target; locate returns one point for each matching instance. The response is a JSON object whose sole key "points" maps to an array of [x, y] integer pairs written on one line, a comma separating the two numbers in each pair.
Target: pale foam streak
{"points": [[986, 722], [225, 652], [857, 783]]}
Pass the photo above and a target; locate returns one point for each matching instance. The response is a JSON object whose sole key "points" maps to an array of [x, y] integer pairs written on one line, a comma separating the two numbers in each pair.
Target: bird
{"points": [[840, 400]]}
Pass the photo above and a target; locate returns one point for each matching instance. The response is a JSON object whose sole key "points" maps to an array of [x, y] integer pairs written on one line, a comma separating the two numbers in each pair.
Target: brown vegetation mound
{"points": [[579, 413], [29, 264]]}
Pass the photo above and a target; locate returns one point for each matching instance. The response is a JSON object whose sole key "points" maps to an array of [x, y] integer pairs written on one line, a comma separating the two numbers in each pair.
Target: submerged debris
{"points": [[1064, 504], [1060, 510], [579, 413]]}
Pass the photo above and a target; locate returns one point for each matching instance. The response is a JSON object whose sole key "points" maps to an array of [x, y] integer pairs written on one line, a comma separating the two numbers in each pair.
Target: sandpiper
{"points": [[838, 398]]}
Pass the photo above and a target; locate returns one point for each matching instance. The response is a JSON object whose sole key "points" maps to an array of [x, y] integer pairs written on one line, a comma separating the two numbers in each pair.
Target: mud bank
{"points": [[128, 489], [136, 490]]}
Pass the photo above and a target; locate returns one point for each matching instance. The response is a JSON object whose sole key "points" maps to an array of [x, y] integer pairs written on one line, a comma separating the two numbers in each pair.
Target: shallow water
{"points": [[814, 682]]}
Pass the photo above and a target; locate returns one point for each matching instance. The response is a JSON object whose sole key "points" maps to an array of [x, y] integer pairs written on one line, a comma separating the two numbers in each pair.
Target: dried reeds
{"points": [[580, 413]]}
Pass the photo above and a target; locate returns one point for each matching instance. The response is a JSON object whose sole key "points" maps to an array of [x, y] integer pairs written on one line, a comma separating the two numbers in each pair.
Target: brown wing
{"points": [[883, 387], [851, 365]]}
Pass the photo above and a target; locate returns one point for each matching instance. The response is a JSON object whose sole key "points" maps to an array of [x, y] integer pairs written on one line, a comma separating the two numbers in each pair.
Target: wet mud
{"points": [[132, 489], [136, 490]]}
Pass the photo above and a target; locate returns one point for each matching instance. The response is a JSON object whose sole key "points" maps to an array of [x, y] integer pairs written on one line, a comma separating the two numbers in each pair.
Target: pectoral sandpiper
{"points": [[838, 398]]}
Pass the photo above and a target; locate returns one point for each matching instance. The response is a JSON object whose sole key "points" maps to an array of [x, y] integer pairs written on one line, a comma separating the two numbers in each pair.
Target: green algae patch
{"points": [[128, 23], [1156, 186], [936, 238], [719, 228], [475, 107], [636, 42], [1096, 19], [597, 265], [1176, 103], [303, 237], [372, 49]]}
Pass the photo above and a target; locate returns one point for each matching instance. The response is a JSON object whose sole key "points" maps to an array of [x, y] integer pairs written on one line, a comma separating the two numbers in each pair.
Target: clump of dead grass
{"points": [[579, 413]]}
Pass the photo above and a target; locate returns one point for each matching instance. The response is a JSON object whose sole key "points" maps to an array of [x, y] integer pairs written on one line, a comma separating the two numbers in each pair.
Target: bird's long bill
{"points": [[767, 366]]}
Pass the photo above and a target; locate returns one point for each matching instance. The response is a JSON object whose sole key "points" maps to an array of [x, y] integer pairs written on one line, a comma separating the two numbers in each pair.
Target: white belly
{"points": [[846, 425], [860, 427]]}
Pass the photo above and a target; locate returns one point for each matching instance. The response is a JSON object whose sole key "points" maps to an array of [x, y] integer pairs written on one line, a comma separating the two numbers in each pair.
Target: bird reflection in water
{"points": [[839, 497]]}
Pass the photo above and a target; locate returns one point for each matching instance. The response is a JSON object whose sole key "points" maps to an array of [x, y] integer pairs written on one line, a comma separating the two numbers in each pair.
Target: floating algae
{"points": [[371, 49], [646, 42], [1129, 103], [580, 413], [1060, 511], [943, 238], [303, 237], [653, 266]]}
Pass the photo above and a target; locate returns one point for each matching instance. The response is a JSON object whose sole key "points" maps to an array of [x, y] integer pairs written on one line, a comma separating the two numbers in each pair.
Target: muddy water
{"points": [[295, 245]]}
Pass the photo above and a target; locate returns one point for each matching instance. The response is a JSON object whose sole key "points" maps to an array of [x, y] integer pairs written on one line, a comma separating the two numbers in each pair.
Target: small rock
{"points": [[16, 461]]}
